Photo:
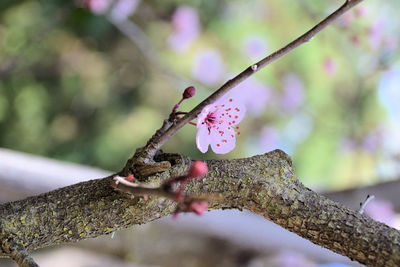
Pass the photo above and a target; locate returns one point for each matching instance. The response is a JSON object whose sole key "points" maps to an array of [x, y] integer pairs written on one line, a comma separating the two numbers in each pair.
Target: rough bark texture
{"points": [[264, 184]]}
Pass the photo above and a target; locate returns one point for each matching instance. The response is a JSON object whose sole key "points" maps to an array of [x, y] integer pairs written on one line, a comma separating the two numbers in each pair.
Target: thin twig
{"points": [[121, 184], [364, 205], [137, 36], [153, 146]]}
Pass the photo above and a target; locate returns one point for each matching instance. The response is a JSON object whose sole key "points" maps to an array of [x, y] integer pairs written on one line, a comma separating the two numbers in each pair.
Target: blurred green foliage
{"points": [[75, 88]]}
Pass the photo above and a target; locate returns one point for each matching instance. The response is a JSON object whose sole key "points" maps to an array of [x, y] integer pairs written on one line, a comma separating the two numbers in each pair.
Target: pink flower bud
{"points": [[189, 92], [197, 170], [199, 207]]}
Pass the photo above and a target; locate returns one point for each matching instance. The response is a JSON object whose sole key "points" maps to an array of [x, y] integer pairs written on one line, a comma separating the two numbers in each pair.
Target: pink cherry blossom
{"points": [[255, 47], [382, 211], [362, 11], [346, 19], [293, 95], [330, 66], [376, 33], [269, 139], [98, 7], [254, 95], [216, 125], [123, 9], [208, 67], [186, 23]]}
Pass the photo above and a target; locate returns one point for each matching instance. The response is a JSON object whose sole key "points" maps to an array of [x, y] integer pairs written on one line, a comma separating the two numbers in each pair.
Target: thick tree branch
{"points": [[161, 137], [23, 175], [264, 184]]}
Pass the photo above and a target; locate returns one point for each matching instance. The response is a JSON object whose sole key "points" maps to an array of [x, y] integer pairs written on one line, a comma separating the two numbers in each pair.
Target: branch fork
{"points": [[172, 188], [145, 156]]}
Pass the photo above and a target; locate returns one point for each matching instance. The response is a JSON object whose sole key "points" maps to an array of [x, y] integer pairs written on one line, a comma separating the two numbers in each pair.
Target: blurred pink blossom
{"points": [[362, 11], [255, 47], [185, 21], [269, 138], [253, 94], [216, 125], [373, 140], [376, 33], [382, 211], [293, 93], [330, 67], [208, 67], [98, 7], [346, 19], [346, 144], [123, 9]]}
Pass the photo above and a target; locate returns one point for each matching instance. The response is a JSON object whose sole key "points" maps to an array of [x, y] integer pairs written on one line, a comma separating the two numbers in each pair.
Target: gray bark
{"points": [[265, 184]]}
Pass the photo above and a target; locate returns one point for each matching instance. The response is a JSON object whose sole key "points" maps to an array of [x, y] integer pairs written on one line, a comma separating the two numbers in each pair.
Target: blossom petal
{"points": [[223, 139], [203, 114], [217, 123], [203, 138], [232, 111]]}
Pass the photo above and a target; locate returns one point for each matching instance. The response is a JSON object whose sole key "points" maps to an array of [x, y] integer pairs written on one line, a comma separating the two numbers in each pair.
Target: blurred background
{"points": [[89, 81]]}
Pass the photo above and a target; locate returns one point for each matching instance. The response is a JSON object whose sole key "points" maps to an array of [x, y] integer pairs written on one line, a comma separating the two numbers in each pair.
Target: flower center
{"points": [[210, 119]]}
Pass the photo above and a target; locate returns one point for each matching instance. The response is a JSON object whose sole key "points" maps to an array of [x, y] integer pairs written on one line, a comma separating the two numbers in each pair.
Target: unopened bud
{"points": [[197, 170], [189, 92], [199, 207]]}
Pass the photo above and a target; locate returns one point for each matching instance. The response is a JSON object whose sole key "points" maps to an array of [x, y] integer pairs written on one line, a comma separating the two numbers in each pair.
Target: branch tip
{"points": [[364, 205]]}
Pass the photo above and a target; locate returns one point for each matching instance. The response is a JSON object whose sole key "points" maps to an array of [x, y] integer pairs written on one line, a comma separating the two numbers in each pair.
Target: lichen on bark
{"points": [[264, 184]]}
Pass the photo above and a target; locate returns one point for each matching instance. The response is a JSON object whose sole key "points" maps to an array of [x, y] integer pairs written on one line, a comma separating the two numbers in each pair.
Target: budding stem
{"points": [[177, 105]]}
